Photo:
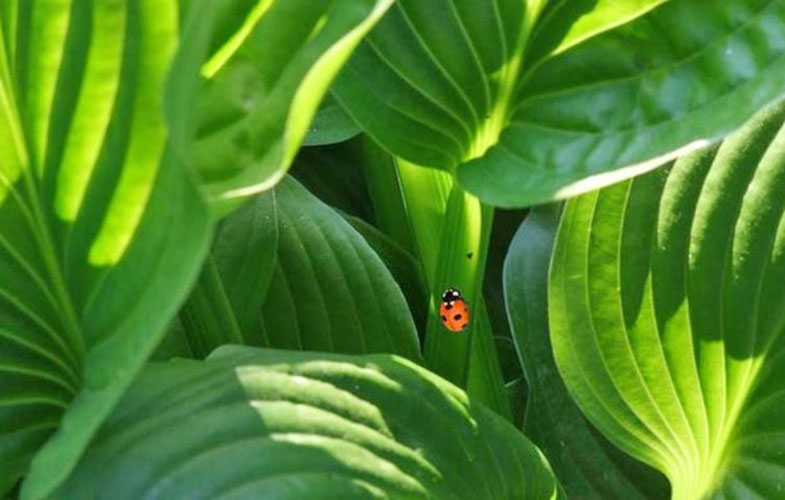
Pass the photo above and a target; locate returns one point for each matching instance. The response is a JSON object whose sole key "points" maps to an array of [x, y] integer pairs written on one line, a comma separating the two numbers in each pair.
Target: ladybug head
{"points": [[450, 295]]}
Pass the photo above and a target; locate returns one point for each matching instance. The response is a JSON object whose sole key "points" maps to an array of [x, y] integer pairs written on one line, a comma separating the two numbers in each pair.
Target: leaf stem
{"points": [[452, 231]]}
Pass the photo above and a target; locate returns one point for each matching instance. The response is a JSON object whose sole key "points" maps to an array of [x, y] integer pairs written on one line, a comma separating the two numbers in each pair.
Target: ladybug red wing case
{"points": [[454, 311]]}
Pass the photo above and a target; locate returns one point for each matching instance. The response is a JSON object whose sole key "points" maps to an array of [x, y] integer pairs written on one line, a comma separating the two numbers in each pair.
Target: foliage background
{"points": [[302, 179]]}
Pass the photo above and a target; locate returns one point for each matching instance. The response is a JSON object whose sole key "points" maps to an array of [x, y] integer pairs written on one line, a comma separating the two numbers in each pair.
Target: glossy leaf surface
{"points": [[531, 103], [282, 424], [264, 85], [101, 230], [588, 465], [667, 311], [303, 279]]}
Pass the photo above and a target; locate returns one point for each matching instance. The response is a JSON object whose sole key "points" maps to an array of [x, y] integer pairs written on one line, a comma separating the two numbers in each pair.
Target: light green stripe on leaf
{"points": [[148, 135], [288, 420], [318, 79], [49, 27], [94, 108], [12, 151], [226, 52], [667, 314]]}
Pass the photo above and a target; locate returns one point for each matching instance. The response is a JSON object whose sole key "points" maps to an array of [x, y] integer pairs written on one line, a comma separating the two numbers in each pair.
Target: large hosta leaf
{"points": [[101, 231], [667, 308], [588, 465], [298, 276], [265, 83], [253, 423], [533, 103]]}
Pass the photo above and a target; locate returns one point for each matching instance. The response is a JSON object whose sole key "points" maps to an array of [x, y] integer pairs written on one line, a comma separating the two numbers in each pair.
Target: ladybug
{"points": [[453, 310]]}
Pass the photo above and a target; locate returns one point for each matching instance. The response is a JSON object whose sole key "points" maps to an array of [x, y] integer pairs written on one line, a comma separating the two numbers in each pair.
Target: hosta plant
{"points": [[226, 227]]}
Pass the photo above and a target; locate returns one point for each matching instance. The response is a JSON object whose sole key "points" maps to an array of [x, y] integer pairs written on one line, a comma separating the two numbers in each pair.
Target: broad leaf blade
{"points": [[323, 286], [295, 425], [329, 287], [265, 84], [628, 88], [224, 305], [587, 465], [667, 322], [403, 267], [670, 82], [101, 230]]}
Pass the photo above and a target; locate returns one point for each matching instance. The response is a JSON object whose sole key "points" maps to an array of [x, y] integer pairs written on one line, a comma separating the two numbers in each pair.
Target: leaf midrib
{"points": [[491, 128]]}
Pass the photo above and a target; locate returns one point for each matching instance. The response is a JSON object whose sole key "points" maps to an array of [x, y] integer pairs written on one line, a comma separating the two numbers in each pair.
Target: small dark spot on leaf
{"points": [[470, 255], [457, 317]]}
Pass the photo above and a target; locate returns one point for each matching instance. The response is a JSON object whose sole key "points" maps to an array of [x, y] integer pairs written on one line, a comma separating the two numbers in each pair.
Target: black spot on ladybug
{"points": [[444, 318], [448, 306], [457, 317], [464, 325], [470, 255]]}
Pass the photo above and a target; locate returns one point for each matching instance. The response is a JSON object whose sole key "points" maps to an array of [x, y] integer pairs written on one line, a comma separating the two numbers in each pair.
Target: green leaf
{"points": [[330, 125], [330, 291], [667, 308], [312, 284], [101, 230], [402, 265], [529, 104], [564, 24], [587, 464], [452, 230], [360, 181], [248, 423], [390, 213], [224, 305], [264, 84]]}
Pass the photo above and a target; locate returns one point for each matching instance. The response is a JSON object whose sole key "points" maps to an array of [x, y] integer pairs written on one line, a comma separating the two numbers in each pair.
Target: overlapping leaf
{"points": [[533, 102], [310, 283], [249, 423], [265, 82], [101, 232], [667, 308], [588, 466], [403, 267]]}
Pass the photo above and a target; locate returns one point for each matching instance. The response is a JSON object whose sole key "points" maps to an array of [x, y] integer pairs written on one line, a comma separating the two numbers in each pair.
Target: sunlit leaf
{"points": [[532, 101], [101, 230], [264, 85], [588, 466], [250, 423], [667, 311]]}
